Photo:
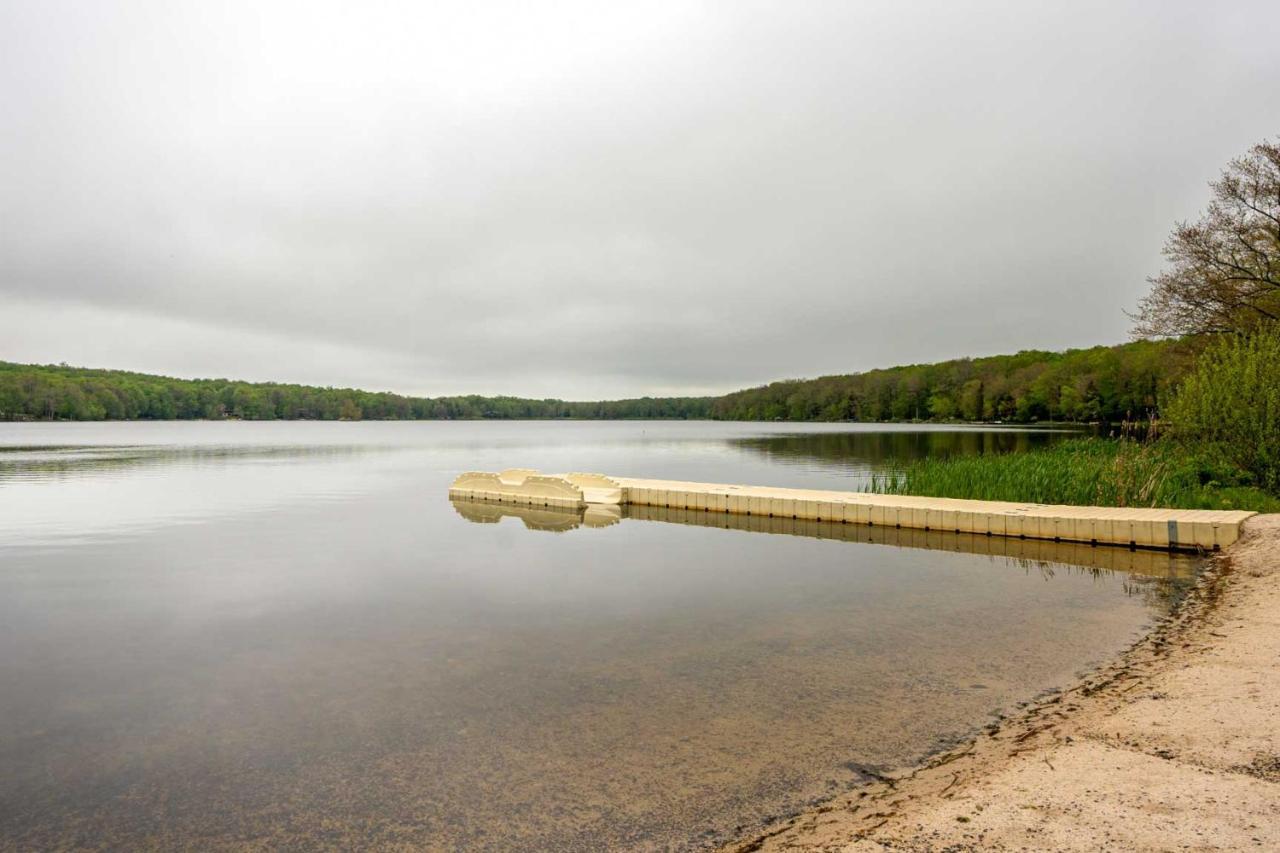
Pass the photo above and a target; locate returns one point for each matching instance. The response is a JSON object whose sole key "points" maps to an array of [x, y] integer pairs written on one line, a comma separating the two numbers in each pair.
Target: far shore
{"points": [[1175, 745]]}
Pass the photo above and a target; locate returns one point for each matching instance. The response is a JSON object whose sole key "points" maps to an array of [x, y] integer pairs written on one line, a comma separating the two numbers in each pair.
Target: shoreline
{"points": [[1174, 744]]}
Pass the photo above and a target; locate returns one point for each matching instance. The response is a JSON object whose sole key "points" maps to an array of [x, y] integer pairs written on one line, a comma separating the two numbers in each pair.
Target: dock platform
{"points": [[1134, 527]]}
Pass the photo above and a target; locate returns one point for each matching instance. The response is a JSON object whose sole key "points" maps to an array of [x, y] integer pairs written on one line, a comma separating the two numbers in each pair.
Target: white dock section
{"points": [[1207, 530]]}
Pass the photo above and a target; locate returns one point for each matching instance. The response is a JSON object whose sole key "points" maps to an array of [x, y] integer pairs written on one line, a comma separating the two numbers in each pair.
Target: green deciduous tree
{"points": [[1231, 401]]}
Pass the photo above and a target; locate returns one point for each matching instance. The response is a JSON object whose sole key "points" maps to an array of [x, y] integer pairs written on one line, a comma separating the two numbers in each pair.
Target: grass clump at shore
{"points": [[1085, 472]]}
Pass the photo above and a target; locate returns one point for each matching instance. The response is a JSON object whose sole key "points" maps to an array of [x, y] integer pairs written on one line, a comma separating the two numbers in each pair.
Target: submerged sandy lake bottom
{"points": [[219, 635]]}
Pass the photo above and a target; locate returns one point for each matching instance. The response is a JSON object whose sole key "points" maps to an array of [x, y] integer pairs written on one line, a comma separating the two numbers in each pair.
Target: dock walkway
{"points": [[1177, 529]]}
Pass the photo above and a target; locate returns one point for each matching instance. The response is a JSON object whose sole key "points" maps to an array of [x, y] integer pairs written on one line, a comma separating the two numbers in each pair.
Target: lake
{"points": [[224, 634]]}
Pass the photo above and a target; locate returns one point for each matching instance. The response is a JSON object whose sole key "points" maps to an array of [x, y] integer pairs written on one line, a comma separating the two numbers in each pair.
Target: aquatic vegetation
{"points": [[1086, 471]]}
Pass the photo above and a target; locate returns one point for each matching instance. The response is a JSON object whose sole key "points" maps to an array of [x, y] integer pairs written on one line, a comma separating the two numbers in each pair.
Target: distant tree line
{"points": [[1098, 384], [1125, 382], [58, 392]]}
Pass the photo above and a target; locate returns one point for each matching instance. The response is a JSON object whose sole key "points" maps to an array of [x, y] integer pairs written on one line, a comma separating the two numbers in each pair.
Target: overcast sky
{"points": [[601, 199]]}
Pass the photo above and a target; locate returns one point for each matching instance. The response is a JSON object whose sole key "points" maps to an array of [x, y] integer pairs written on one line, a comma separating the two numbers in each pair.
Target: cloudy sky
{"points": [[601, 199]]}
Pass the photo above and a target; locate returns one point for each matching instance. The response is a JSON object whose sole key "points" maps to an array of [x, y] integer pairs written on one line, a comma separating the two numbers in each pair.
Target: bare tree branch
{"points": [[1223, 270]]}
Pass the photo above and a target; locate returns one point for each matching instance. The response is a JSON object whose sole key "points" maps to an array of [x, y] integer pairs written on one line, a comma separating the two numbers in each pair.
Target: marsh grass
{"points": [[1087, 472]]}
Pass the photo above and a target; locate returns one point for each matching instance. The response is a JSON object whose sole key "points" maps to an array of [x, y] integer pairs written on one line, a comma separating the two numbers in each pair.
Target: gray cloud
{"points": [[601, 199]]}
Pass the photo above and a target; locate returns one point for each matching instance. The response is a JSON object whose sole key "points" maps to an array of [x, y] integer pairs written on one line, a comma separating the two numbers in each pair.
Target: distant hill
{"points": [[1101, 383]]}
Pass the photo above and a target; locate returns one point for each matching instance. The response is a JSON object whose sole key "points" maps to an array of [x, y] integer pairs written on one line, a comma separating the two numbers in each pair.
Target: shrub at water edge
{"points": [[1230, 402]]}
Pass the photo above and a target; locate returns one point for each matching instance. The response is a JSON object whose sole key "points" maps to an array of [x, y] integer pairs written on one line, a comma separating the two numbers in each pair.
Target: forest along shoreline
{"points": [[1180, 736]]}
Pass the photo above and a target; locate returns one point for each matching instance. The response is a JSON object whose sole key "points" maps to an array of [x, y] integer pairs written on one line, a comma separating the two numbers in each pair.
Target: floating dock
{"points": [[1170, 529]]}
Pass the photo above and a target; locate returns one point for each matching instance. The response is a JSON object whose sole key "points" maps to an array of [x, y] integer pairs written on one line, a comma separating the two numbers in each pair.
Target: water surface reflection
{"points": [[1173, 566], [865, 450], [207, 645]]}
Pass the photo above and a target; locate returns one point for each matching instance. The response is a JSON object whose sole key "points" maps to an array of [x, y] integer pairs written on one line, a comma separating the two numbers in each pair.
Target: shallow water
{"points": [[223, 634]]}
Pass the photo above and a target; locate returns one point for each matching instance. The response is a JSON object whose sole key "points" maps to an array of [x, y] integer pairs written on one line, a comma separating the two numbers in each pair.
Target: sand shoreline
{"points": [[1175, 745]]}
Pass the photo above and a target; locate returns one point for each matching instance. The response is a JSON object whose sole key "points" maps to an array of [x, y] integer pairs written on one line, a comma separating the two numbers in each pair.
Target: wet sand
{"points": [[1175, 745]]}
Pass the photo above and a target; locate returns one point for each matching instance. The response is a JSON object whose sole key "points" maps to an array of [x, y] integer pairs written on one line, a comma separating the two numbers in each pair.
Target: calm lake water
{"points": [[218, 635]]}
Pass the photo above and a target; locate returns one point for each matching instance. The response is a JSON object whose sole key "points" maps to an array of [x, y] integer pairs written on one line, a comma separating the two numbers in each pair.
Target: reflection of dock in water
{"points": [[1158, 564], [552, 519], [1136, 527]]}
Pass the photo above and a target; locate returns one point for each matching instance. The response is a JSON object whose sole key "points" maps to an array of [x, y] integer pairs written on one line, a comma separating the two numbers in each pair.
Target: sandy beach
{"points": [[1174, 746]]}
